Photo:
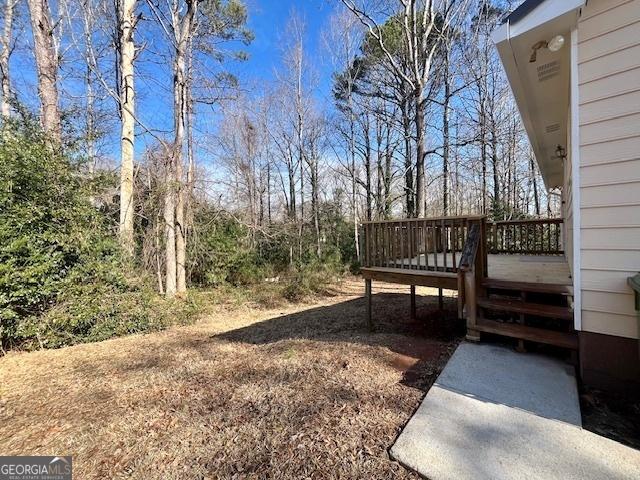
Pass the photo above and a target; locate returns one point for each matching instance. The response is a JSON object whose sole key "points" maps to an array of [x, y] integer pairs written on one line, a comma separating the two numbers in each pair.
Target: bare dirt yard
{"points": [[300, 391]]}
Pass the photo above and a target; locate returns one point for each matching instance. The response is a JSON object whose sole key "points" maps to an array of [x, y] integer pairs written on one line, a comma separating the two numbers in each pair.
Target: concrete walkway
{"points": [[496, 414]]}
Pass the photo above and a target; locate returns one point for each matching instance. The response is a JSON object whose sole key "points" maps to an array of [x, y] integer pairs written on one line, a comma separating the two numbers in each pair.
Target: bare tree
{"points": [[183, 27], [342, 41], [421, 24], [126, 49], [5, 53], [314, 147], [46, 56], [188, 27], [296, 82]]}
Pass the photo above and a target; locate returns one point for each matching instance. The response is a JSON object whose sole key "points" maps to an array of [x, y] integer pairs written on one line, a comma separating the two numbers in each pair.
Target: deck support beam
{"points": [[413, 302], [367, 289]]}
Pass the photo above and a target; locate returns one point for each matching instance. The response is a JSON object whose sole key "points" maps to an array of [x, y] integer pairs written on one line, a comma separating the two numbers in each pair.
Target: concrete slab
{"points": [[535, 383], [473, 434]]}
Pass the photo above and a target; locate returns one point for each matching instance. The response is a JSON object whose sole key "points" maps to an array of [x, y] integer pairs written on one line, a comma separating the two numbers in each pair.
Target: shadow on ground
{"points": [[294, 395], [421, 346]]}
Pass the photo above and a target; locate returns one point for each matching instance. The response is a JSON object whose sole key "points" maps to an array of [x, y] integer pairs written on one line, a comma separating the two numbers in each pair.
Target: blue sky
{"points": [[267, 19]]}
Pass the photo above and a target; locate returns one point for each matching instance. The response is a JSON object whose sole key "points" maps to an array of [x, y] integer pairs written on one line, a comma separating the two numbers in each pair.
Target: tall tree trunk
{"points": [[180, 107], [483, 158], [367, 170], [315, 204], [301, 222], [497, 208], [536, 198], [183, 31], [292, 187], [170, 227], [158, 241], [380, 202], [127, 109], [191, 163], [388, 176], [47, 68], [89, 19], [90, 121], [354, 182], [5, 52], [269, 220], [408, 161], [445, 137], [420, 152]]}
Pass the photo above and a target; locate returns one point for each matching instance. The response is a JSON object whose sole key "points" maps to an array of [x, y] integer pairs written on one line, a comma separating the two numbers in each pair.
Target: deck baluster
{"points": [[444, 244], [401, 246], [454, 241], [435, 243]]}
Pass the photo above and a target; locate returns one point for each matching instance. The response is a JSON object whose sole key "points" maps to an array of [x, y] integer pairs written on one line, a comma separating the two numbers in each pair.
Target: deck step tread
{"points": [[552, 288], [533, 334], [526, 308]]}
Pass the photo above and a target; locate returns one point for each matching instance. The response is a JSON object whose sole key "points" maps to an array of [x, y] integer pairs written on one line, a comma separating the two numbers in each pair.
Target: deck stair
{"points": [[550, 288], [535, 312], [526, 308]]}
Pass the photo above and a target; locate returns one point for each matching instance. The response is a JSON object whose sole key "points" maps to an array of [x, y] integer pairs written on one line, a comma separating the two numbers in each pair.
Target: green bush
{"points": [[219, 251], [309, 280], [223, 251], [63, 278]]}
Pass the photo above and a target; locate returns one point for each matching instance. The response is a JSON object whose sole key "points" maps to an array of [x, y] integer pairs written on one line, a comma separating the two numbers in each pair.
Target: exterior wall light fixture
{"points": [[553, 45]]}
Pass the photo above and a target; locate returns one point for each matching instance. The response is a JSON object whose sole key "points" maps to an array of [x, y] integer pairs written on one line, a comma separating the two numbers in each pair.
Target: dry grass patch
{"points": [[298, 392]]}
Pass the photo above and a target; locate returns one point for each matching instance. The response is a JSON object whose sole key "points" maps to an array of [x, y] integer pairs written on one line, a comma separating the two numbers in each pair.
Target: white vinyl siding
{"points": [[609, 91]]}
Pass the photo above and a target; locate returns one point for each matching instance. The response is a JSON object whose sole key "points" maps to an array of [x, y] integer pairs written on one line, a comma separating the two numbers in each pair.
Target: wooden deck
{"points": [[516, 270], [530, 268], [551, 269]]}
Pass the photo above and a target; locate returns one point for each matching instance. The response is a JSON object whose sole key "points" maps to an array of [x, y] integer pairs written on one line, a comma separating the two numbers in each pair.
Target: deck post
{"points": [[472, 306], [440, 300], [461, 300], [413, 302], [367, 289]]}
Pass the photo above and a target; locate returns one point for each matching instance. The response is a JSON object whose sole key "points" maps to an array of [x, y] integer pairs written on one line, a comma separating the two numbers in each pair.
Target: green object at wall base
{"points": [[634, 282]]}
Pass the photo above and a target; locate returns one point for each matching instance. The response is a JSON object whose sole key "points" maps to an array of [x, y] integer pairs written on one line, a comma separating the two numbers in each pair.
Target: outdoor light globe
{"points": [[556, 43]]}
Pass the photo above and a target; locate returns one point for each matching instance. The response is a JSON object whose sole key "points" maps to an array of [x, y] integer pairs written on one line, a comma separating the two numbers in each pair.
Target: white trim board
{"points": [[574, 109], [541, 14]]}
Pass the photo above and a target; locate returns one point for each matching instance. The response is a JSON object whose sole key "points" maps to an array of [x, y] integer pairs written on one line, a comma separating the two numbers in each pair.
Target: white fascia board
{"points": [[500, 34], [543, 13]]}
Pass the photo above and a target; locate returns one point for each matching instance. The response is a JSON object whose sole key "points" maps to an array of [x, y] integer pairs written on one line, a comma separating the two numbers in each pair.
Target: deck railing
{"points": [[473, 267], [435, 244], [417, 244], [528, 237]]}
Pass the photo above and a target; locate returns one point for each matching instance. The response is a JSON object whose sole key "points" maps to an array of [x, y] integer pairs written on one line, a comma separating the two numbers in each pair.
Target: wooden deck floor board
{"points": [[516, 268]]}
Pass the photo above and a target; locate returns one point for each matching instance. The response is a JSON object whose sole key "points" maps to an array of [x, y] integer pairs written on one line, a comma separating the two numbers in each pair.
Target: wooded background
{"points": [[418, 121]]}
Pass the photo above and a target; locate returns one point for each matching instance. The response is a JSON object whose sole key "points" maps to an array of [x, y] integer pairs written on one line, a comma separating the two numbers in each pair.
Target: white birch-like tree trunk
{"points": [[5, 53], [183, 28], [170, 287], [46, 57], [127, 107]]}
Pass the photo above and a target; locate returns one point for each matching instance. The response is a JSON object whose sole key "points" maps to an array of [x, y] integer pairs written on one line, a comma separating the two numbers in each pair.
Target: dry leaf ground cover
{"points": [[302, 391]]}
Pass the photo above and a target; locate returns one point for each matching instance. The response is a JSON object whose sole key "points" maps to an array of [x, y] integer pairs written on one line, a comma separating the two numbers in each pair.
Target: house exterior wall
{"points": [[609, 93], [608, 57]]}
